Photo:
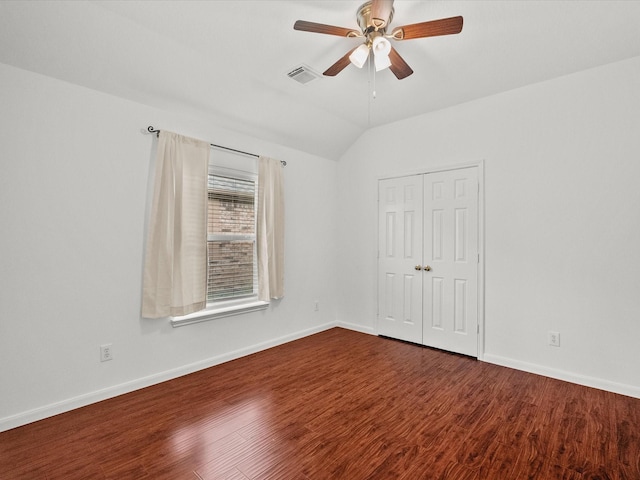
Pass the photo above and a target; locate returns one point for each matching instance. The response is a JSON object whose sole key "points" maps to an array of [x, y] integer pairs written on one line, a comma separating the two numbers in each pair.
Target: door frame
{"points": [[481, 248]]}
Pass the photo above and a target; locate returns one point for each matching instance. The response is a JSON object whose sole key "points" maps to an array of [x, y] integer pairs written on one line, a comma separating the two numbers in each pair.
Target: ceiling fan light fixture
{"points": [[359, 56], [381, 48], [382, 62]]}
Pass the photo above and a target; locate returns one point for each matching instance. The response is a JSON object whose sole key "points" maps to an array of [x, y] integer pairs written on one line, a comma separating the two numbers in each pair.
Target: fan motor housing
{"points": [[366, 23]]}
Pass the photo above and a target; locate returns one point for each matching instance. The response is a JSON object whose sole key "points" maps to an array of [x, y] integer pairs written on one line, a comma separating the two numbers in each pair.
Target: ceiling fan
{"points": [[374, 18]]}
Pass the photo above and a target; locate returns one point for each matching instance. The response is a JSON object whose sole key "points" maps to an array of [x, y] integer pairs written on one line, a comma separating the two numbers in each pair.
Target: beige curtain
{"points": [[175, 270], [270, 229]]}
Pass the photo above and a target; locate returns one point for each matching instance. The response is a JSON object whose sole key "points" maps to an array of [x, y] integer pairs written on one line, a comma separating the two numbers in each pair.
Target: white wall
{"points": [[562, 230], [74, 189], [562, 219]]}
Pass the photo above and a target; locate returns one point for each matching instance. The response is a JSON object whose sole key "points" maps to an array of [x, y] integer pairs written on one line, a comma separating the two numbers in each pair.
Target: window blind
{"points": [[232, 259]]}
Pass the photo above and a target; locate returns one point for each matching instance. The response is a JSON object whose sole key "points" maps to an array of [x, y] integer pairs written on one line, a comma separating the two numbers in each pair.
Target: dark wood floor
{"points": [[339, 405]]}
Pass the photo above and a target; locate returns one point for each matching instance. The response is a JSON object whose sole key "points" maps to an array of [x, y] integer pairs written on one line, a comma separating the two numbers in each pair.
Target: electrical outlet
{"points": [[316, 305], [554, 339], [105, 352]]}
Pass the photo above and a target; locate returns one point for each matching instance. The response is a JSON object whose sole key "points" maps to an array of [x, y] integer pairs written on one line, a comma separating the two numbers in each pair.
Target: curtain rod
{"points": [[150, 129]]}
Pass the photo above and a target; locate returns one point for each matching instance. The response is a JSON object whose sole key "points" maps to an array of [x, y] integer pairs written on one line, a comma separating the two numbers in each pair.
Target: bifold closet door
{"points": [[400, 258]]}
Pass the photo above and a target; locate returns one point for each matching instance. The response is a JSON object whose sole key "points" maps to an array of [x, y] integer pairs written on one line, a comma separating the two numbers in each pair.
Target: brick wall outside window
{"points": [[230, 261]]}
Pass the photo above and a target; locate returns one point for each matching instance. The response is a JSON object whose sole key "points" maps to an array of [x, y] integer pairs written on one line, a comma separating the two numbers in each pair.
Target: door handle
{"points": [[427, 268], [418, 267]]}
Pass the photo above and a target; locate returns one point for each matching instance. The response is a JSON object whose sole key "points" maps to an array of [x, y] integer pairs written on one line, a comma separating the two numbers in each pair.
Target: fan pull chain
{"points": [[368, 90], [373, 93]]}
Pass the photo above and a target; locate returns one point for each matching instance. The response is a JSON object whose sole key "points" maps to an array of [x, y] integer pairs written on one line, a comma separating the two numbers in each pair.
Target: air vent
{"points": [[303, 74]]}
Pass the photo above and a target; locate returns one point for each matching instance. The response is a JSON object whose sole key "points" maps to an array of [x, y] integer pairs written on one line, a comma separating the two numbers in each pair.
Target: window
{"points": [[231, 239], [232, 267]]}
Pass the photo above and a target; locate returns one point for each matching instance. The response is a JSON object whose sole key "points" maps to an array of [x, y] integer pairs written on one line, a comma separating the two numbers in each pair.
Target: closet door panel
{"points": [[399, 253], [451, 256]]}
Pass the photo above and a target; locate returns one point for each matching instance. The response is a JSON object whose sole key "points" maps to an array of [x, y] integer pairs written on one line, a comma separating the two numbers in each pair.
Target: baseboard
{"points": [[52, 409], [355, 327], [599, 383]]}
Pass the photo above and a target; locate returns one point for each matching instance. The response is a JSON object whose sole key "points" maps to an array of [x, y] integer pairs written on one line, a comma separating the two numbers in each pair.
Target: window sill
{"points": [[223, 309]]}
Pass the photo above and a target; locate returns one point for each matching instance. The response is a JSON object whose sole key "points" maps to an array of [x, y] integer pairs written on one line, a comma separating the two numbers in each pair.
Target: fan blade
{"points": [[380, 12], [340, 65], [434, 28], [326, 29], [399, 67]]}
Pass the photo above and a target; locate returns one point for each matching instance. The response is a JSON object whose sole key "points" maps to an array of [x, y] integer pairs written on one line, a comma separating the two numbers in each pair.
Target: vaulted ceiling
{"points": [[230, 59]]}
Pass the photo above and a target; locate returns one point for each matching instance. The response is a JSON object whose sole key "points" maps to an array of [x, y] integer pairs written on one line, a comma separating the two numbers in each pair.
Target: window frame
{"points": [[236, 306]]}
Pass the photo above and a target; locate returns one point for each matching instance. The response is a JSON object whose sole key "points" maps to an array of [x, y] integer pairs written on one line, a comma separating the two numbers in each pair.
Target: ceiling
{"points": [[229, 59]]}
